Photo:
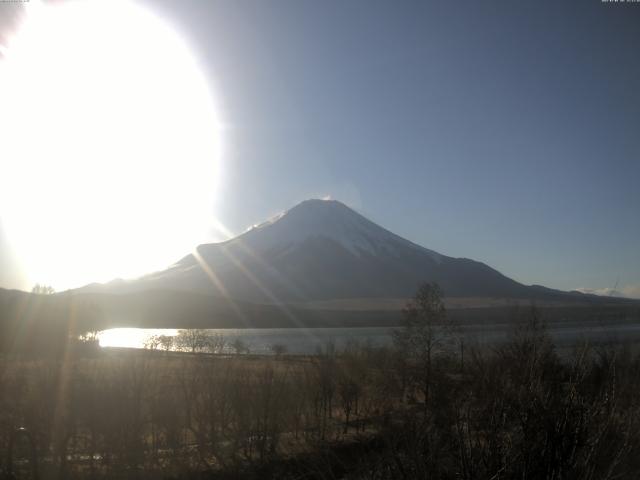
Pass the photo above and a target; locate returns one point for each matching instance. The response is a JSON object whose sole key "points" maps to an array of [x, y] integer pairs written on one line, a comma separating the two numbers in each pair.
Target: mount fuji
{"points": [[320, 251]]}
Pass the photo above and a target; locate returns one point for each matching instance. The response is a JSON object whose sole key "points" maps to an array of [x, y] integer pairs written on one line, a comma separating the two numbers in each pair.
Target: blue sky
{"points": [[502, 131]]}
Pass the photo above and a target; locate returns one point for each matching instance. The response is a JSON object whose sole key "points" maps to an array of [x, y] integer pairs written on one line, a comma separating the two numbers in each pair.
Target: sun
{"points": [[109, 143]]}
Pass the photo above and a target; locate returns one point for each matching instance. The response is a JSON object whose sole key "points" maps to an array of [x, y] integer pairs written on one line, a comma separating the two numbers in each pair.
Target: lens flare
{"points": [[109, 144]]}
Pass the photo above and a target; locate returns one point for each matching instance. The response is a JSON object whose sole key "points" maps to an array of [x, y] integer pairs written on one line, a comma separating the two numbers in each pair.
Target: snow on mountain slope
{"points": [[328, 219]]}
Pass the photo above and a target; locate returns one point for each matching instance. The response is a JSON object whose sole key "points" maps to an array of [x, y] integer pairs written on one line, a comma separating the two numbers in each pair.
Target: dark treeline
{"points": [[428, 407], [34, 321]]}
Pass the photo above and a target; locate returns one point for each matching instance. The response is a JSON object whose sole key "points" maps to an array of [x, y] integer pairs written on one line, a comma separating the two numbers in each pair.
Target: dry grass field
{"points": [[518, 410]]}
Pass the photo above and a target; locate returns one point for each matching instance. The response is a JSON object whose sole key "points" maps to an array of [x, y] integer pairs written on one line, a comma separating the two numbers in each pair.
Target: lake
{"points": [[308, 340]]}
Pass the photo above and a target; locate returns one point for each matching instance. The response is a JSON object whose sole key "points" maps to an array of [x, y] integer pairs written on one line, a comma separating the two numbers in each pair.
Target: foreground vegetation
{"points": [[430, 407]]}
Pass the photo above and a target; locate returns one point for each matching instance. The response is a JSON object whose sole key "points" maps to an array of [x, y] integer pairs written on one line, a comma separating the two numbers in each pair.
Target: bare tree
{"points": [[239, 346], [192, 339], [215, 343], [152, 343], [424, 317], [166, 342], [279, 349]]}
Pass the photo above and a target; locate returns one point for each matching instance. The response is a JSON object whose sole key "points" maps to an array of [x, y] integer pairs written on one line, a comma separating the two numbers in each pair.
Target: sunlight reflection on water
{"points": [[309, 340], [259, 340], [131, 337]]}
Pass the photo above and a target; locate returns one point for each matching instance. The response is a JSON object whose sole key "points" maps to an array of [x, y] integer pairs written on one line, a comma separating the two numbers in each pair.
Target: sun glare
{"points": [[108, 144]]}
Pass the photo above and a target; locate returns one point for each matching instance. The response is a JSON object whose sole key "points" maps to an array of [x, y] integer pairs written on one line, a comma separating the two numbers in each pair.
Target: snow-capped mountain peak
{"points": [[329, 220], [320, 250]]}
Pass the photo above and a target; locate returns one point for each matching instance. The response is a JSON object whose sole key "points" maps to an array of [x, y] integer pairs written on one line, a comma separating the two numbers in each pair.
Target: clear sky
{"points": [[507, 132]]}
